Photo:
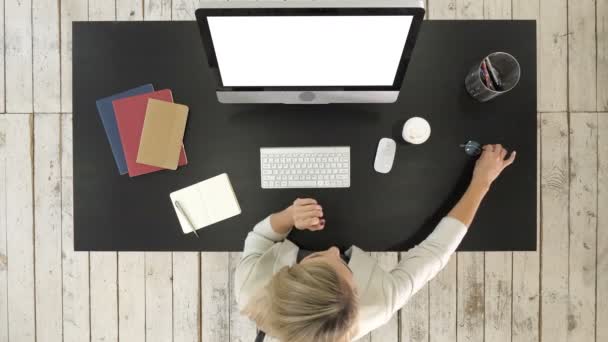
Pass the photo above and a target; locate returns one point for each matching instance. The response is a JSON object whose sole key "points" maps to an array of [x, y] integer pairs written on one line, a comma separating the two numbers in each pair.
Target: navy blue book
{"points": [[106, 113]]}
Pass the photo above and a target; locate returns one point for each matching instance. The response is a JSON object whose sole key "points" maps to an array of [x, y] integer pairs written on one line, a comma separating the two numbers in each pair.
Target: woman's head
{"points": [[314, 300]]}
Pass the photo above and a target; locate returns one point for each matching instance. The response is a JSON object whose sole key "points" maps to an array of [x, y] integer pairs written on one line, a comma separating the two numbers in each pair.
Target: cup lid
{"points": [[416, 130]]}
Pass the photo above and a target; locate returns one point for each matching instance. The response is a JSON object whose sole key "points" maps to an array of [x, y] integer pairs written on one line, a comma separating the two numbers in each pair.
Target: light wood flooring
{"points": [[50, 293]]}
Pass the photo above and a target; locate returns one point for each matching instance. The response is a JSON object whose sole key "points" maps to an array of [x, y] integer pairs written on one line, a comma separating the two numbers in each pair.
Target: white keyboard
{"points": [[305, 167]]}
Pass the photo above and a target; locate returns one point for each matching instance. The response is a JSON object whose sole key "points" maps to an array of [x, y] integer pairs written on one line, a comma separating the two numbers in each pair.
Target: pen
{"points": [[183, 212]]}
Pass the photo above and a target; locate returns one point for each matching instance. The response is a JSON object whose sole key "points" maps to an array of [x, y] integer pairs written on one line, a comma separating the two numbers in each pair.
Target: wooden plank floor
{"points": [[50, 293]]}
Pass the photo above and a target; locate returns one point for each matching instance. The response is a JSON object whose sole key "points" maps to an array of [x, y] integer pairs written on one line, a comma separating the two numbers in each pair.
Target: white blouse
{"points": [[381, 292]]}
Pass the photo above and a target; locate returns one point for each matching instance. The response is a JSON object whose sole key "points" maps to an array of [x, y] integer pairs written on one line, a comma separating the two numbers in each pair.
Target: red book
{"points": [[130, 113]]}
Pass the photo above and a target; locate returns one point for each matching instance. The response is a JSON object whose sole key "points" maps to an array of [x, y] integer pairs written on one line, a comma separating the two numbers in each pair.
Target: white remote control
{"points": [[385, 155]]}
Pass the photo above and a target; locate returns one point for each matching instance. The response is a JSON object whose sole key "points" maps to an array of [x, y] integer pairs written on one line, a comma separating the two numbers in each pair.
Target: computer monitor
{"points": [[340, 51]]}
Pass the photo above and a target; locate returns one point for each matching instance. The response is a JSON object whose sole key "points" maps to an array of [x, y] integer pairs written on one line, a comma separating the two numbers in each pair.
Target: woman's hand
{"points": [[490, 164], [307, 214], [304, 214], [487, 169]]}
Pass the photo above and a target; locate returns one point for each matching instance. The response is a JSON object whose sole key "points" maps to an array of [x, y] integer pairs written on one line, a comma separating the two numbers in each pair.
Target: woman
{"points": [[326, 297]]}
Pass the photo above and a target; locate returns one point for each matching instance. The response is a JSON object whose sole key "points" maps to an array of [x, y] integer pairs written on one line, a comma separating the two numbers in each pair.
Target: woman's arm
{"points": [[421, 263], [488, 167], [302, 214]]}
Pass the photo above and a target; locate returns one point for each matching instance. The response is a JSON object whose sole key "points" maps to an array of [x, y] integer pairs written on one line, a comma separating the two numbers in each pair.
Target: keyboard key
{"points": [[302, 184]]}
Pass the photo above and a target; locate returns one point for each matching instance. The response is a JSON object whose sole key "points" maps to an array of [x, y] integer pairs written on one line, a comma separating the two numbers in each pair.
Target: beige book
{"points": [[162, 134], [205, 203]]}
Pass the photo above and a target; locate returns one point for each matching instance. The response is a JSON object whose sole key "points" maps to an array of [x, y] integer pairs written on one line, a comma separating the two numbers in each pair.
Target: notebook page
{"points": [[206, 202], [219, 198], [192, 202]]}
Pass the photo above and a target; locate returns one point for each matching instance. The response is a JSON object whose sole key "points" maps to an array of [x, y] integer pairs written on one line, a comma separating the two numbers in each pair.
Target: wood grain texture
{"points": [[602, 229], [498, 295], [442, 9], [581, 55], [159, 296], [18, 56], [470, 294], [497, 9], [127, 10], [583, 226], [103, 296], [20, 228], [46, 56], [242, 329], [469, 9], [554, 227], [47, 232], [71, 10], [183, 9], [3, 228], [75, 266], [553, 68], [602, 54], [186, 296], [442, 304], [102, 10], [2, 54], [157, 9], [368, 336], [215, 300], [415, 317], [131, 297], [390, 331], [525, 323]]}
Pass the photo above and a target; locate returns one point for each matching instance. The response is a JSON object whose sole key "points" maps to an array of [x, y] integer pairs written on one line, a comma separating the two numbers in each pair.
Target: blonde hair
{"points": [[306, 302]]}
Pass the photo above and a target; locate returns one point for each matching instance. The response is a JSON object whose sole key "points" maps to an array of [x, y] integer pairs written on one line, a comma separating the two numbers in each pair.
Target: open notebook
{"points": [[206, 202]]}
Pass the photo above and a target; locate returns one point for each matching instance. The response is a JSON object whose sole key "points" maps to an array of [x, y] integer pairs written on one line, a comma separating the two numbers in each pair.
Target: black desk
{"points": [[378, 212]]}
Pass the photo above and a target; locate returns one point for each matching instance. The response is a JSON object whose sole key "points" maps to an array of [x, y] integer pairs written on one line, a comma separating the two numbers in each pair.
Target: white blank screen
{"points": [[309, 50]]}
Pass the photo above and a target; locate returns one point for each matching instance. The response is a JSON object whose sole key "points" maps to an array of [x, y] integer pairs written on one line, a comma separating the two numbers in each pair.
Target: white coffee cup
{"points": [[416, 130]]}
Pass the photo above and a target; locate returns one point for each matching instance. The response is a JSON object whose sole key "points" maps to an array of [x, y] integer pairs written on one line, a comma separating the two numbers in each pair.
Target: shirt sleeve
{"points": [[258, 242], [421, 263], [261, 238]]}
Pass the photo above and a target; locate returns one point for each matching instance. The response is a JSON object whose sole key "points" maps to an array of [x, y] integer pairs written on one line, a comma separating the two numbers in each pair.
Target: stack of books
{"points": [[145, 130]]}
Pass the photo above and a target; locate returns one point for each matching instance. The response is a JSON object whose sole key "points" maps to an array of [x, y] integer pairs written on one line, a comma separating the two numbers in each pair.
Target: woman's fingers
{"points": [[304, 218], [510, 160], [310, 221], [310, 207], [304, 201], [503, 153], [308, 214], [309, 210], [321, 224], [318, 226]]}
